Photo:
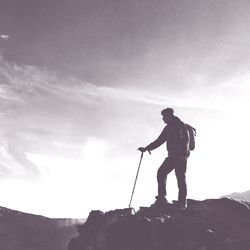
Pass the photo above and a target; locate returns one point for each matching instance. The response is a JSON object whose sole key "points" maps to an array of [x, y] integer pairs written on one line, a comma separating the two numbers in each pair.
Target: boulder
{"points": [[214, 224]]}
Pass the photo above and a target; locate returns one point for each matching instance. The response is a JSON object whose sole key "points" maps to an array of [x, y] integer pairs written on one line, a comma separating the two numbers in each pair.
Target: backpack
{"points": [[192, 135]]}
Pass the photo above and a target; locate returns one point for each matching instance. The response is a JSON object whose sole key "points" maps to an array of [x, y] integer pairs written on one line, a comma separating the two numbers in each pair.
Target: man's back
{"points": [[177, 138]]}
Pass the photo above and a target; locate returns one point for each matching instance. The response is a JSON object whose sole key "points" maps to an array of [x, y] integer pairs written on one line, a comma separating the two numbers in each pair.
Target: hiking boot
{"points": [[161, 202], [180, 204]]}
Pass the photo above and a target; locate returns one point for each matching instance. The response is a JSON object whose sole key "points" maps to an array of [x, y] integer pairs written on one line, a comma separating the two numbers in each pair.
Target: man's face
{"points": [[166, 118]]}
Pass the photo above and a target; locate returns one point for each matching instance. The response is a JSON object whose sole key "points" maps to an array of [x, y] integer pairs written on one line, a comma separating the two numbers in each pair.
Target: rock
{"points": [[214, 224], [23, 231]]}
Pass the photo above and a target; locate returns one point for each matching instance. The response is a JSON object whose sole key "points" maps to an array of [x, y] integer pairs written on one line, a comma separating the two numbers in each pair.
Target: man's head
{"points": [[167, 115]]}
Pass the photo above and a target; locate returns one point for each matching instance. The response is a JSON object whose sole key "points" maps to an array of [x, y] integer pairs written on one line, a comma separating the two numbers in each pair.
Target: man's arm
{"points": [[157, 143]]}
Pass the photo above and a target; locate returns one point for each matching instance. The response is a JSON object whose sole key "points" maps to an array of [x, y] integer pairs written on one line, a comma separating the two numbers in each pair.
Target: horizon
{"points": [[82, 85]]}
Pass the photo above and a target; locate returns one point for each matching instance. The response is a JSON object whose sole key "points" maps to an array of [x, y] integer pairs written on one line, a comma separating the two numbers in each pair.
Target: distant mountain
{"points": [[240, 196], [23, 231], [213, 224]]}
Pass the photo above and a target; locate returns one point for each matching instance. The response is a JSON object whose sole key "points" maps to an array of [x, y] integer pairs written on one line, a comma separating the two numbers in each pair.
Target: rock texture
{"points": [[239, 196], [214, 224]]}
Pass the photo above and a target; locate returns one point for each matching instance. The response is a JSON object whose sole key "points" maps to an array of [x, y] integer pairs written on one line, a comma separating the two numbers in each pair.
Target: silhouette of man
{"points": [[176, 137]]}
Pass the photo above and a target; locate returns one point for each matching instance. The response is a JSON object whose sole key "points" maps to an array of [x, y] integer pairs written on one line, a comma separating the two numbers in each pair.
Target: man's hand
{"points": [[142, 149]]}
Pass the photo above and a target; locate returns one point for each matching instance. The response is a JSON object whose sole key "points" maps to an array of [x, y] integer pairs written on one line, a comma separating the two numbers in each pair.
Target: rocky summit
{"points": [[213, 224]]}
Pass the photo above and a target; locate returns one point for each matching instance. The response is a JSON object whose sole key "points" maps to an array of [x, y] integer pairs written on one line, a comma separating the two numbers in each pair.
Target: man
{"points": [[176, 136]]}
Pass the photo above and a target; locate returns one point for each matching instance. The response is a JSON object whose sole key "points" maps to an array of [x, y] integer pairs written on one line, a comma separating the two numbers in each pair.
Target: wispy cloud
{"points": [[54, 117], [4, 37], [28, 83]]}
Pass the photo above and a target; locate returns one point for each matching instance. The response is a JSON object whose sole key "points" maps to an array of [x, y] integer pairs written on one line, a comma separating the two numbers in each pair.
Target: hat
{"points": [[167, 111]]}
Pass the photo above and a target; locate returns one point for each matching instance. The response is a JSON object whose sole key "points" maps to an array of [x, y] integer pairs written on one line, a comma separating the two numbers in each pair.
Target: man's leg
{"points": [[166, 167], [180, 172]]}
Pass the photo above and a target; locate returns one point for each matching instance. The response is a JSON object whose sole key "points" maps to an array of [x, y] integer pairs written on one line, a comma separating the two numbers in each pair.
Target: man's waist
{"points": [[177, 154]]}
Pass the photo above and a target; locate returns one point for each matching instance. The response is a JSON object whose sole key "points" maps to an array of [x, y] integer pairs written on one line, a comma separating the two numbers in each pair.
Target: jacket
{"points": [[176, 137]]}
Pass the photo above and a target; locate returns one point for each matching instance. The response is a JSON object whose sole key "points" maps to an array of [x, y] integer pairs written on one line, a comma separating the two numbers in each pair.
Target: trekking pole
{"points": [[135, 180]]}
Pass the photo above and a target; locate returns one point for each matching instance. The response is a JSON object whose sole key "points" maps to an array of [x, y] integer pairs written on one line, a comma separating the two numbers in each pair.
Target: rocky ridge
{"points": [[23, 231], [213, 224]]}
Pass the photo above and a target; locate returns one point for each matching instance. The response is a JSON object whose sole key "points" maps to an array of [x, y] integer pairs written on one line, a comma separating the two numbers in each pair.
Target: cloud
{"points": [[4, 37], [52, 116], [61, 126], [42, 88]]}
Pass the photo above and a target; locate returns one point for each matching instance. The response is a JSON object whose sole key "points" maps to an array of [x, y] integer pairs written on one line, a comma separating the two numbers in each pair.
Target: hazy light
{"points": [[5, 37]]}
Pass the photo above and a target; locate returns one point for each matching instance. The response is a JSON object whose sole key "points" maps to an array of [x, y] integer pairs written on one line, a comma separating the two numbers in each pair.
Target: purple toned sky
{"points": [[82, 84]]}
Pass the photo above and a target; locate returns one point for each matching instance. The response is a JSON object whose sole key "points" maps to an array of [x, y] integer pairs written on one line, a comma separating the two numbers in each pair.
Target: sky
{"points": [[82, 85]]}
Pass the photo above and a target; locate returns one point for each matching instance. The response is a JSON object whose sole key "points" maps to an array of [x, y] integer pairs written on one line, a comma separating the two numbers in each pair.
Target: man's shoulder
{"points": [[165, 130]]}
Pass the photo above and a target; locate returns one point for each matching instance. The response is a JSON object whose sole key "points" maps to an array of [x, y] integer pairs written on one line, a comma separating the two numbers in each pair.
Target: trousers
{"points": [[179, 164]]}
